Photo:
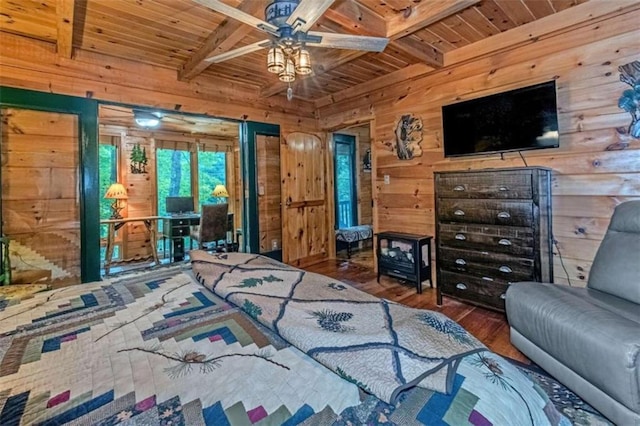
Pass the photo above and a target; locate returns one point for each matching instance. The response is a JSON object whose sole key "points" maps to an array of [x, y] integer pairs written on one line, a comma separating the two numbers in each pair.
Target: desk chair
{"points": [[213, 227]]}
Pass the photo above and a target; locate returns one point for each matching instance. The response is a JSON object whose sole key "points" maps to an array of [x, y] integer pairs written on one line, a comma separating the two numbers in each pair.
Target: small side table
{"points": [[405, 256]]}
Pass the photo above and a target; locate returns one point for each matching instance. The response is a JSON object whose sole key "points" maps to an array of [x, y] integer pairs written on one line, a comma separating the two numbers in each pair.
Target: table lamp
{"points": [[220, 191], [116, 192]]}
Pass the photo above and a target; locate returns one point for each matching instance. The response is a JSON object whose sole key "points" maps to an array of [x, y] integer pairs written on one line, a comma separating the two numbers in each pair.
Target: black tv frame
{"points": [[510, 93], [179, 205]]}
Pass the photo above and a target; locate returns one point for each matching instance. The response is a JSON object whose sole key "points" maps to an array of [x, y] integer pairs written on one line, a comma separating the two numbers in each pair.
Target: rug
{"points": [[568, 403]]}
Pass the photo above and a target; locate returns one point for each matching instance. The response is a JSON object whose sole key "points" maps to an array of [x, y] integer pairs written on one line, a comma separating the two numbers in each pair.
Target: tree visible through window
{"points": [[174, 175], [211, 172]]}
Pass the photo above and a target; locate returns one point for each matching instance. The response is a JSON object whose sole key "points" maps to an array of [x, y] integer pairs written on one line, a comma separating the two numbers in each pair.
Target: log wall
{"points": [[588, 180]]}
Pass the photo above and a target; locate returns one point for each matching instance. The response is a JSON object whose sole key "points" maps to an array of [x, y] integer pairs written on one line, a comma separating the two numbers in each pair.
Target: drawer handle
{"points": [[503, 296], [503, 188], [458, 213], [487, 278], [458, 188], [505, 269], [504, 215], [461, 286], [460, 237], [504, 242], [460, 262]]}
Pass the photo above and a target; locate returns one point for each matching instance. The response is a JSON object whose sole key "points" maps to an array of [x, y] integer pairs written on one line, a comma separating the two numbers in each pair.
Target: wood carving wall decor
{"points": [[138, 160], [630, 99], [408, 137]]}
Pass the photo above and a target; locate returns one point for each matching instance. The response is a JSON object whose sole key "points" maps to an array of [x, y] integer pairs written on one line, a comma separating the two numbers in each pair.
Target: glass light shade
{"points": [[303, 62], [289, 73], [275, 60], [220, 191], [116, 191], [146, 119]]}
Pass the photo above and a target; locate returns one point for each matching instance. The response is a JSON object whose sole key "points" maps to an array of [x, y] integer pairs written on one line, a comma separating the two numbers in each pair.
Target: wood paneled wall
{"points": [[40, 206], [588, 180], [32, 64], [269, 192]]}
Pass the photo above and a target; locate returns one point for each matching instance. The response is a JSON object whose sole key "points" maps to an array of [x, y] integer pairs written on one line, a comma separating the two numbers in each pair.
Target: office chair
{"points": [[213, 227]]}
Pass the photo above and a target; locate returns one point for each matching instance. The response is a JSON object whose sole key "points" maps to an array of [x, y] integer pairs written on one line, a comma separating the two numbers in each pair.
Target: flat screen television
{"points": [[517, 120], [178, 205]]}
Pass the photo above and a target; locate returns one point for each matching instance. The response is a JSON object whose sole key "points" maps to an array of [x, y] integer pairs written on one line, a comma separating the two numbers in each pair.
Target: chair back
{"points": [[213, 222], [616, 267]]}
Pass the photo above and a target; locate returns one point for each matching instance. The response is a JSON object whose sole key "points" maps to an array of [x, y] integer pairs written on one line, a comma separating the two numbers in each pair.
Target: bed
{"points": [[211, 343]]}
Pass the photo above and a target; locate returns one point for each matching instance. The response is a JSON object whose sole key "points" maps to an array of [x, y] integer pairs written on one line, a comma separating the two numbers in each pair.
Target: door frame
{"points": [[87, 112], [249, 169]]}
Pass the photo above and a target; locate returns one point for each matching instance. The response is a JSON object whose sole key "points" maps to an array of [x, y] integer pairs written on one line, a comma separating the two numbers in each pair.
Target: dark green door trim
{"points": [[87, 111], [249, 130]]}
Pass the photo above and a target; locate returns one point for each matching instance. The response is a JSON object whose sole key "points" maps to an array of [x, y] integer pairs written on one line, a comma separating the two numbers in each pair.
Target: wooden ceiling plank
{"points": [[64, 12], [540, 9], [423, 52], [516, 10], [581, 14], [226, 36], [576, 15], [423, 14], [357, 19], [401, 25]]}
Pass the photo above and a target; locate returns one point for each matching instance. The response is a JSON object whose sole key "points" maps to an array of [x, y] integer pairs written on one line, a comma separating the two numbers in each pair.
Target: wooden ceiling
{"points": [[119, 118], [180, 34]]}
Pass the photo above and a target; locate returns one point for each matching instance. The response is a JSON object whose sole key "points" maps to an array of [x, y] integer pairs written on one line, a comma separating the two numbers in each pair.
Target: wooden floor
{"points": [[488, 326]]}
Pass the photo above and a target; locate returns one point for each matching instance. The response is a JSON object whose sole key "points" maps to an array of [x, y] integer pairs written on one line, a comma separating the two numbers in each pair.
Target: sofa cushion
{"points": [[593, 333], [616, 267]]}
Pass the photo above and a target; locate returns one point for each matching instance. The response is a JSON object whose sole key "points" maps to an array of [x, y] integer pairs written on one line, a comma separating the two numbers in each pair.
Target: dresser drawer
{"points": [[179, 231], [485, 185], [477, 290], [482, 263], [491, 212], [491, 239]]}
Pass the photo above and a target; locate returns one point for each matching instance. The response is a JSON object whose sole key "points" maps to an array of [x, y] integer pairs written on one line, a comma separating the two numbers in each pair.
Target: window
{"points": [[345, 181], [174, 175], [212, 171]]}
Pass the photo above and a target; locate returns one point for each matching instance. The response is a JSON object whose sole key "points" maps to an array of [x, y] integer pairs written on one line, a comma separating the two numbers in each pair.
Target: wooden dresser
{"points": [[493, 227]]}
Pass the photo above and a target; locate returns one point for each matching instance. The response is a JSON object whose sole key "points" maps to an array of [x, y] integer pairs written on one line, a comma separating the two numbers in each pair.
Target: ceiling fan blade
{"points": [[307, 13], [239, 15], [348, 41], [238, 52]]}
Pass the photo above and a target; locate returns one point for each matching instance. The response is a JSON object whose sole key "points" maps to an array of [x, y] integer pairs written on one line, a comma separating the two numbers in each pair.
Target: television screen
{"points": [[516, 120], [179, 205]]}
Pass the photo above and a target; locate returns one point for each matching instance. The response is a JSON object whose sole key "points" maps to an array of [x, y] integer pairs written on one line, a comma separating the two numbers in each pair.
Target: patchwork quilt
{"points": [[158, 348]]}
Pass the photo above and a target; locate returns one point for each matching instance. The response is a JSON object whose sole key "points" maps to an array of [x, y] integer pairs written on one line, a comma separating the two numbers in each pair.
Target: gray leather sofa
{"points": [[589, 338]]}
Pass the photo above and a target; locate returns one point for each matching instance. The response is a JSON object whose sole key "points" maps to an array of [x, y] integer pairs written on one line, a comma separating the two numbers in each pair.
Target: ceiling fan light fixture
{"points": [[303, 62], [146, 119], [275, 60], [289, 73]]}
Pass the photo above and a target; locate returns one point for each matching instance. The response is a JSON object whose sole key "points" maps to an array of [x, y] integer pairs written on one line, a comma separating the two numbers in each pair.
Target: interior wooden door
{"points": [[40, 195], [307, 207]]}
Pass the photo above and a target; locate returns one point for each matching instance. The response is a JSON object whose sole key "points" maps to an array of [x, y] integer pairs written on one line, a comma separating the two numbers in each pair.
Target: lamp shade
{"points": [[303, 62], [116, 191], [289, 73], [275, 60], [220, 191]]}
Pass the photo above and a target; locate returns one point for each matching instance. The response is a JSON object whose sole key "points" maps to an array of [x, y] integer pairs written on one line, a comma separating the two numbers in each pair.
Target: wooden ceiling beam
{"points": [[422, 14], [64, 27], [225, 37], [421, 51], [405, 22]]}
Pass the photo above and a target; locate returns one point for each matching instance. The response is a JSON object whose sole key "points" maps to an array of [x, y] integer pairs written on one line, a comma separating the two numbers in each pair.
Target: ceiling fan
{"points": [[288, 24]]}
